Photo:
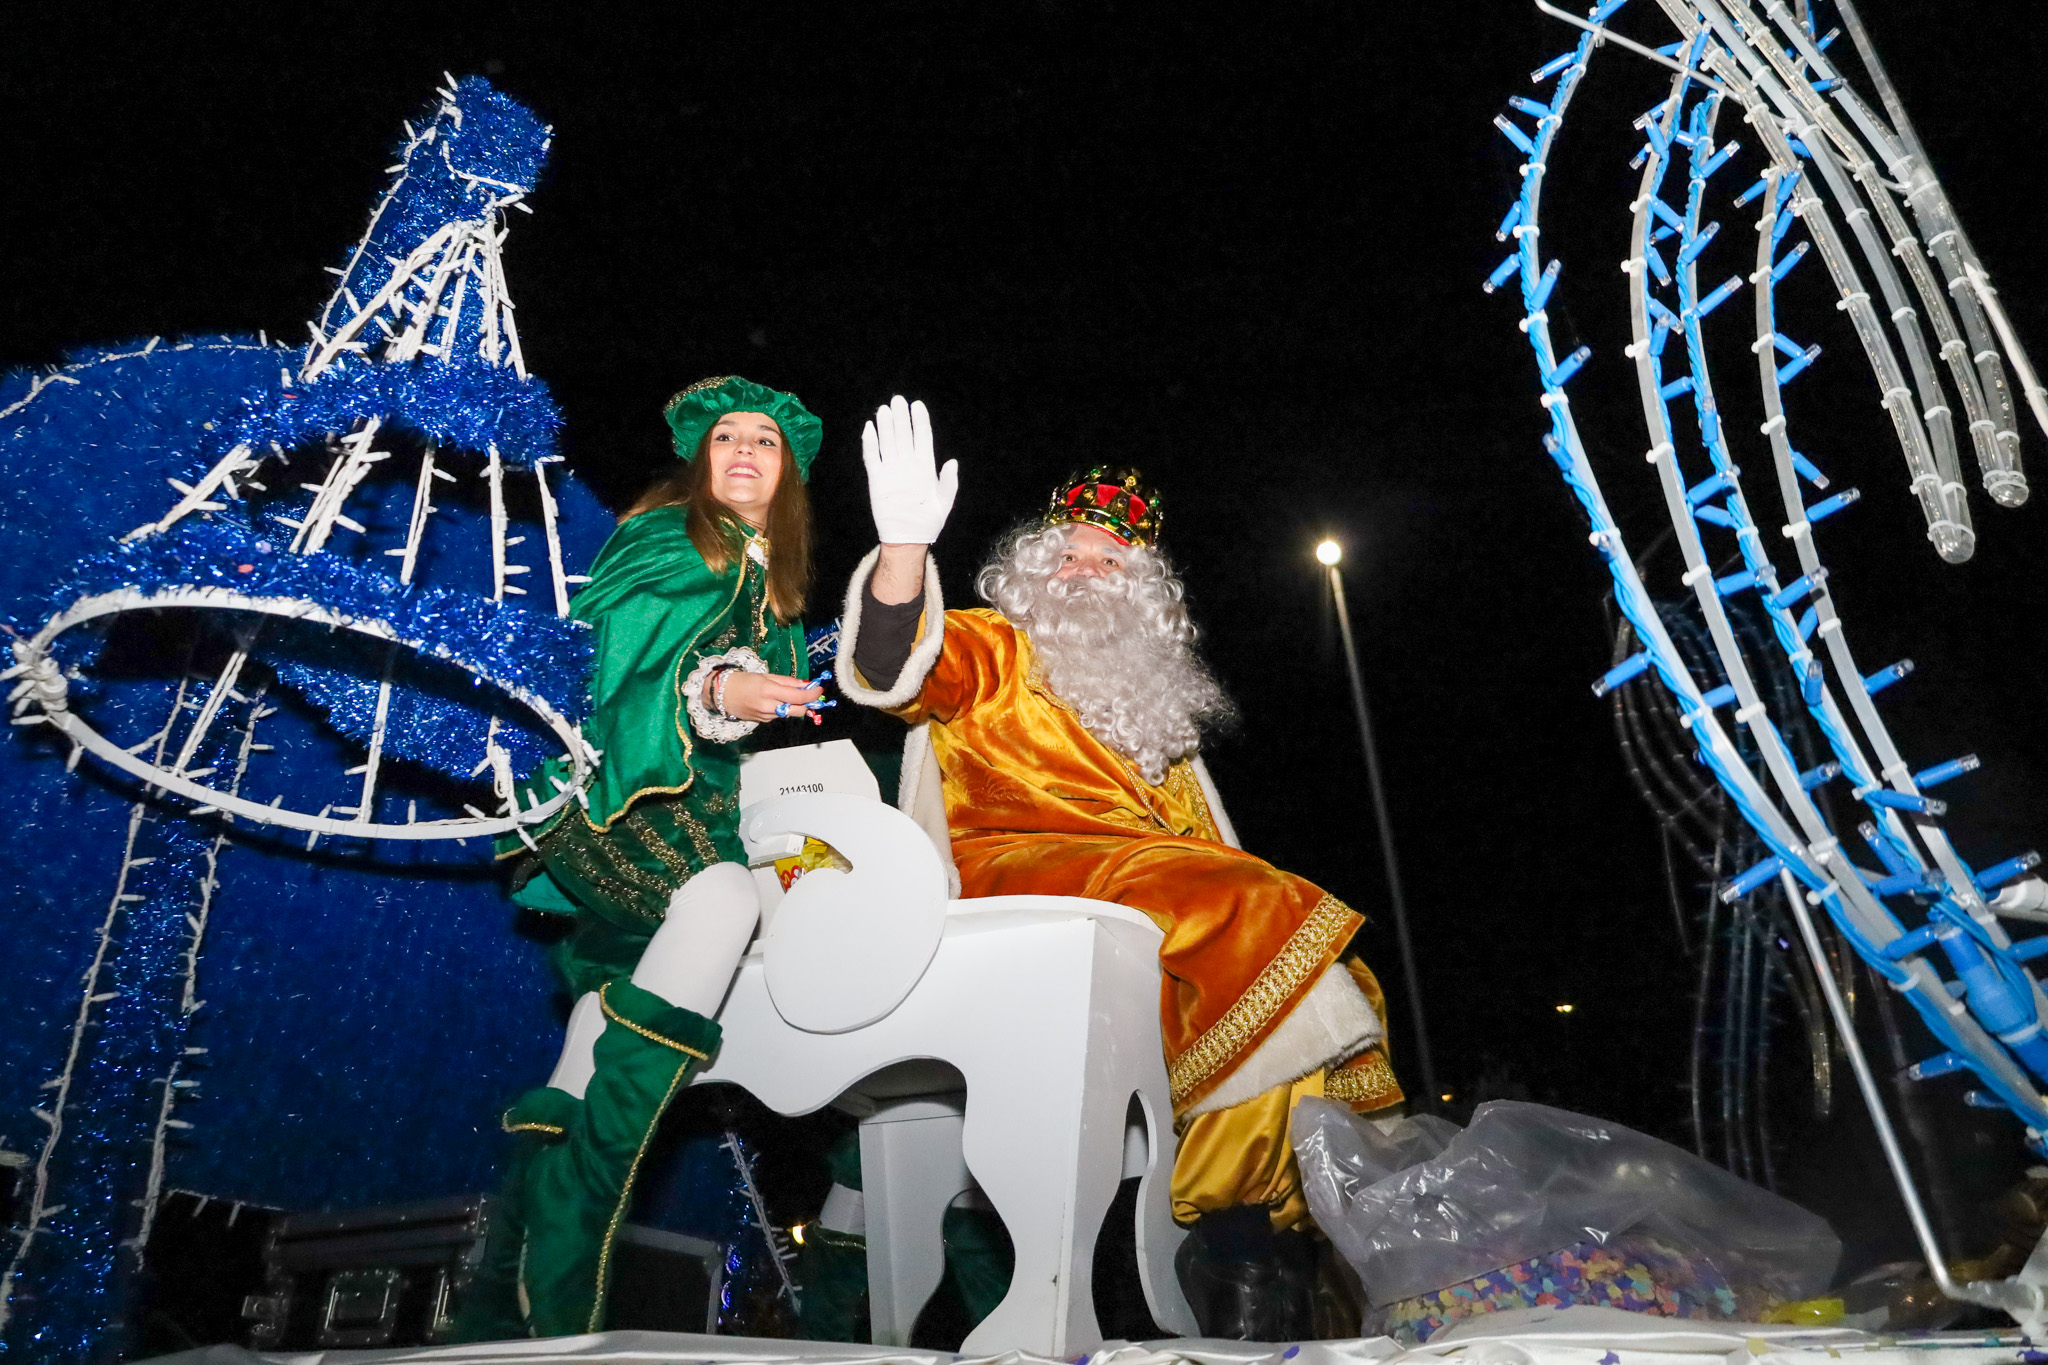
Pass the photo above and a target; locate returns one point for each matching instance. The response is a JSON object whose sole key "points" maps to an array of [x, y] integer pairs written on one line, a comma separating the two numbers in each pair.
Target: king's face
{"points": [[1091, 553]]}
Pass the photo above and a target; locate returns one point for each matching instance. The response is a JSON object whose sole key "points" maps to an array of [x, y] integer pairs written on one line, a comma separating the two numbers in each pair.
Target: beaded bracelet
{"points": [[704, 692], [719, 676]]}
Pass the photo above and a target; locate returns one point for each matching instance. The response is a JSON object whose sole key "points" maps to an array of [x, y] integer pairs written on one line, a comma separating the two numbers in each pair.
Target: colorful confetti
{"points": [[1634, 1274]]}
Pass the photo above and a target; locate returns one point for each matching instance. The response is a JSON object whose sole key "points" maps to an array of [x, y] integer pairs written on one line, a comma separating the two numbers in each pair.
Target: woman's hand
{"points": [[909, 495], [754, 696]]}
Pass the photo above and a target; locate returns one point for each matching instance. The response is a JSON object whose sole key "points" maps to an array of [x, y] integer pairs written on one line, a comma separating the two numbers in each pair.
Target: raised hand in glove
{"points": [[910, 496]]}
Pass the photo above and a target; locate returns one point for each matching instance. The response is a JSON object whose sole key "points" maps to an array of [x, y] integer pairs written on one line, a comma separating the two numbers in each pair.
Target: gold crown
{"points": [[1114, 498]]}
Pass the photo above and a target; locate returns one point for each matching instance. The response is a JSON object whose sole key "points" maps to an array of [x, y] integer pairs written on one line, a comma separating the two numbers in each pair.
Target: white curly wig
{"points": [[1119, 649]]}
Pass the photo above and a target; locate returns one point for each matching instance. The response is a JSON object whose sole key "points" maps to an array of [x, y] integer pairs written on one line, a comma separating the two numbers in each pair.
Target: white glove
{"points": [[910, 497]]}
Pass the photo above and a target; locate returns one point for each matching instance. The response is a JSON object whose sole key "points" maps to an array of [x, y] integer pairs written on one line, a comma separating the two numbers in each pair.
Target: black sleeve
{"points": [[888, 632]]}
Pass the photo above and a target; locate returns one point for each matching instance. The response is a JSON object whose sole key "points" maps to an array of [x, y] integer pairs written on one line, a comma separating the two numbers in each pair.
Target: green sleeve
{"points": [[657, 610]]}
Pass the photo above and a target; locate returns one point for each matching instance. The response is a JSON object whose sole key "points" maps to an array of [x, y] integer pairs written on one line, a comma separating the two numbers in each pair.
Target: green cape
{"points": [[658, 609]]}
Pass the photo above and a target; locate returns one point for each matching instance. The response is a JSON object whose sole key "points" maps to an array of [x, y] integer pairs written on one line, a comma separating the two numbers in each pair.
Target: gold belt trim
{"points": [[605, 1004], [1296, 961]]}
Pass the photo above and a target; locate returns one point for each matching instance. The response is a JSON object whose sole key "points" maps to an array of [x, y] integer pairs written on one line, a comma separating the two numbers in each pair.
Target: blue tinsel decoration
{"points": [[480, 133], [821, 644], [75, 1293], [119, 406], [86, 459], [470, 153], [547, 655], [470, 405], [339, 987]]}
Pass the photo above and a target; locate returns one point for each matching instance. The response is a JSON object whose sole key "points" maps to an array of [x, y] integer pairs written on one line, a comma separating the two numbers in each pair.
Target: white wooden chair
{"points": [[873, 989]]}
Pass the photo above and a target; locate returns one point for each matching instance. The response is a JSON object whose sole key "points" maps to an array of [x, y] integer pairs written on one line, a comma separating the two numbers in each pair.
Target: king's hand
{"points": [[909, 495]]}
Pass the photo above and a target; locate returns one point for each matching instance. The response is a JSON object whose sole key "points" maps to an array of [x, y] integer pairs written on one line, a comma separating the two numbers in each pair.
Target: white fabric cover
{"points": [[1530, 1336]]}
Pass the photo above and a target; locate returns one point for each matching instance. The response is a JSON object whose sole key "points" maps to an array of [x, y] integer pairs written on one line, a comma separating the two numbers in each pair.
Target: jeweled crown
{"points": [[1114, 498]]}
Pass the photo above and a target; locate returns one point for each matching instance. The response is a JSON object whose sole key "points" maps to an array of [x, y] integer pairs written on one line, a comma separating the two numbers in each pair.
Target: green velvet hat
{"points": [[693, 412]]}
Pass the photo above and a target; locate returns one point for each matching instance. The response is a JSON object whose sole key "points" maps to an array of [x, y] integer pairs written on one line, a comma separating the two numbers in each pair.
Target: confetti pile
{"points": [[1635, 1274]]}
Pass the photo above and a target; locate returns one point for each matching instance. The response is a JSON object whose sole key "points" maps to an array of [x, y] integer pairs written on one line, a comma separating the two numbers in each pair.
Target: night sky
{"points": [[1240, 248]]}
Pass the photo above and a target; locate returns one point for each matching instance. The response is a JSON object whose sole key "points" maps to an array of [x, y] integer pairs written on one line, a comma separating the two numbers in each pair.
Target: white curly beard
{"points": [[1119, 649]]}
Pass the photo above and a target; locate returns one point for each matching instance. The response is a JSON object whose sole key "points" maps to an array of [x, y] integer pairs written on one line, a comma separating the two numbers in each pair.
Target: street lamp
{"points": [[1329, 554]]}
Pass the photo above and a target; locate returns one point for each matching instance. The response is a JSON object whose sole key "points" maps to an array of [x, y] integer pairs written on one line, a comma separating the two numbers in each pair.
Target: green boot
{"points": [[572, 1179], [490, 1309]]}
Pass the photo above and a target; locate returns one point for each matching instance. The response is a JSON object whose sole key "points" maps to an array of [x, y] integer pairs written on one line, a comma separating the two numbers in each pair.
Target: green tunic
{"points": [[663, 807], [664, 803]]}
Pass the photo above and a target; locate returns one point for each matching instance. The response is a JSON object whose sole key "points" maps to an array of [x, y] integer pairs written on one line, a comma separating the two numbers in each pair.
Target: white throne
{"points": [[873, 989]]}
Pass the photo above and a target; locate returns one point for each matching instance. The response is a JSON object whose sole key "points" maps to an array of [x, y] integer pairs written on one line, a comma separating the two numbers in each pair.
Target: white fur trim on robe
{"points": [[1333, 1023], [922, 656], [921, 795], [1224, 829]]}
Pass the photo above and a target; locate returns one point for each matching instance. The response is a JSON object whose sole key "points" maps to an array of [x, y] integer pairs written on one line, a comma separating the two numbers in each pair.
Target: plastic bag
{"points": [[1526, 1180], [1385, 1146]]}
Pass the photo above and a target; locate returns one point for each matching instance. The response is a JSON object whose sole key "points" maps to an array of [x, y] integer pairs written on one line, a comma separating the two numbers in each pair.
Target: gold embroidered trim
{"points": [[607, 864], [532, 1128], [606, 827], [1182, 784], [1367, 1079], [1293, 965], [622, 867], [700, 837], [617, 879], [605, 1004], [611, 1232], [659, 849]]}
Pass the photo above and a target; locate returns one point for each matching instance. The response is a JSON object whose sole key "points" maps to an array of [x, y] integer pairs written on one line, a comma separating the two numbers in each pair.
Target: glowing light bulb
{"points": [[1565, 1009], [1329, 552]]}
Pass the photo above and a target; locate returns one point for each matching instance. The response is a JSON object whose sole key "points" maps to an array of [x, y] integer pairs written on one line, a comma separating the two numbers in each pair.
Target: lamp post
{"points": [[1330, 554]]}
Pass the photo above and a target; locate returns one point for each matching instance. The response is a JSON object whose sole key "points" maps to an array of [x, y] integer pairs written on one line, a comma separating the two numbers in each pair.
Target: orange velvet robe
{"points": [[1037, 805]]}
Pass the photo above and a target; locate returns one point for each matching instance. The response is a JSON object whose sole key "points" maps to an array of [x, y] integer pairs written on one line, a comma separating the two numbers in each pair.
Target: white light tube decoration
{"points": [[1926, 922]]}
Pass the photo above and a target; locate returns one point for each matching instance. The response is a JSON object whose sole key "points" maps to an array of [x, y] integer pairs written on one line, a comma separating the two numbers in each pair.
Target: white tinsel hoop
{"points": [[41, 686]]}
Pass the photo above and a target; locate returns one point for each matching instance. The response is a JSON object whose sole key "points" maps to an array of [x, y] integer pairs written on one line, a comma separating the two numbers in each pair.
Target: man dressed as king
{"points": [[1065, 722]]}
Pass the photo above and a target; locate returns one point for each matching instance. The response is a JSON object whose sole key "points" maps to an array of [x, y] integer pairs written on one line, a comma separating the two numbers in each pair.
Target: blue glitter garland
{"points": [[468, 404], [75, 1293], [418, 726], [467, 155], [86, 458], [176, 410], [340, 980], [480, 133], [547, 655]]}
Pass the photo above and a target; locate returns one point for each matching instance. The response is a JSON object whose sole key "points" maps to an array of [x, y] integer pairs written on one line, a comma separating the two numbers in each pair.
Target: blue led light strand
{"points": [[1923, 924]]}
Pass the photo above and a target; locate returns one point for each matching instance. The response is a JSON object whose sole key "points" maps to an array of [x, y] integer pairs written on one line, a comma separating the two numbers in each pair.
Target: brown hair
{"points": [[718, 532]]}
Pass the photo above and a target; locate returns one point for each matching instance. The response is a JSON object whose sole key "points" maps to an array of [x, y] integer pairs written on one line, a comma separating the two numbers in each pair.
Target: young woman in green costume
{"points": [[694, 602]]}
